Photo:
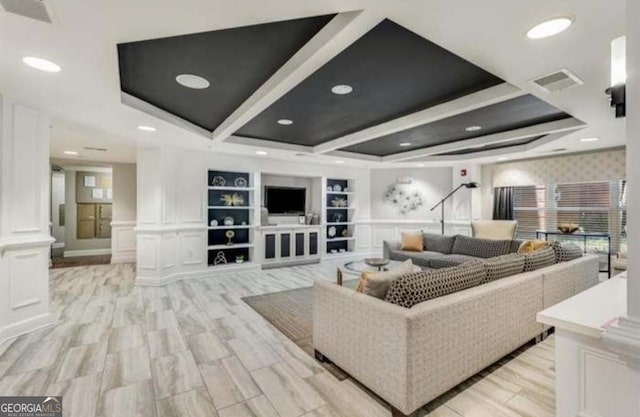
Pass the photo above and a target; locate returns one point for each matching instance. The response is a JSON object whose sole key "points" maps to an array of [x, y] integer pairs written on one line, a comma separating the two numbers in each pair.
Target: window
{"points": [[595, 206]]}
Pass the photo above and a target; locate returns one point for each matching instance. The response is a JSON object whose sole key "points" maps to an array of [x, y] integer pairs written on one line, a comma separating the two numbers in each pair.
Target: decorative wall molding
{"points": [[123, 242]]}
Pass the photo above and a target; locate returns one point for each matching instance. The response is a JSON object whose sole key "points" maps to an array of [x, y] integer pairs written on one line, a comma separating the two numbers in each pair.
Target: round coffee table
{"points": [[358, 267]]}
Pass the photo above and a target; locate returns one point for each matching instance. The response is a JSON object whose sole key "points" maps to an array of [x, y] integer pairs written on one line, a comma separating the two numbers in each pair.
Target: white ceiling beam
{"points": [[344, 29], [483, 98], [154, 111], [495, 153], [354, 155], [267, 144], [564, 125]]}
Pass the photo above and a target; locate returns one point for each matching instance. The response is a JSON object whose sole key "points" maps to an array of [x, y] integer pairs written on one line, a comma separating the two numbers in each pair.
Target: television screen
{"points": [[285, 200]]}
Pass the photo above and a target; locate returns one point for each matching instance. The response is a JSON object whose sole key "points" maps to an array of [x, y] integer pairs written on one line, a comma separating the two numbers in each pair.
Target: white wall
{"points": [[585, 167], [431, 183], [123, 237], [57, 198]]}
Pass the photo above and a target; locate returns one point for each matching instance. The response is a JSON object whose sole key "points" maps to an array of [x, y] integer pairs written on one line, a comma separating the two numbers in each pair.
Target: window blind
{"points": [[595, 206]]}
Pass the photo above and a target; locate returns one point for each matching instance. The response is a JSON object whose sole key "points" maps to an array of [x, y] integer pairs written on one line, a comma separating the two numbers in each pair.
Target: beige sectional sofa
{"points": [[410, 356]]}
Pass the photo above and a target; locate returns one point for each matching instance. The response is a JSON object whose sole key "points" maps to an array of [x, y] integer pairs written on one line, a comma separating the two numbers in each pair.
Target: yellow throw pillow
{"points": [[412, 241], [376, 284], [529, 246]]}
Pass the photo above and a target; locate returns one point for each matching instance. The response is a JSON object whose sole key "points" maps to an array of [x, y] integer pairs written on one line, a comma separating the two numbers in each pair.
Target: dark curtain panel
{"points": [[503, 203]]}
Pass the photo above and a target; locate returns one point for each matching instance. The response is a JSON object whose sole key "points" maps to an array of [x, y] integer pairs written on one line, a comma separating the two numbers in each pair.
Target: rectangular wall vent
{"points": [[33, 9], [557, 81], [92, 148]]}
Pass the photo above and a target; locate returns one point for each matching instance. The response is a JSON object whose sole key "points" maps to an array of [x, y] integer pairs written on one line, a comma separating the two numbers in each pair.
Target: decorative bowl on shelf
{"points": [[240, 182], [218, 181], [337, 188], [568, 227]]}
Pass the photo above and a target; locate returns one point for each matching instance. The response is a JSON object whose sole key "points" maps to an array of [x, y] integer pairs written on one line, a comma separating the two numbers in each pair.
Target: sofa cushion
{"points": [[566, 251], [419, 258], [539, 259], [515, 245], [411, 289], [376, 284], [411, 241], [503, 266], [447, 261], [480, 248], [438, 243]]}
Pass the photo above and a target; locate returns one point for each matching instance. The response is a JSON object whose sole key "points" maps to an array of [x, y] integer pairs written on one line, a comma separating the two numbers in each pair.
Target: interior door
{"points": [[86, 223]]}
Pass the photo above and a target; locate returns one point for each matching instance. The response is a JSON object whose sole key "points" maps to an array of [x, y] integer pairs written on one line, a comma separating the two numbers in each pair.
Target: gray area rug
{"points": [[291, 312]]}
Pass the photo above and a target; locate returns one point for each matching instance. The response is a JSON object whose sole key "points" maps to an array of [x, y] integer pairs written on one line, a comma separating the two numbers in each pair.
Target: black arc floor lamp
{"points": [[471, 184]]}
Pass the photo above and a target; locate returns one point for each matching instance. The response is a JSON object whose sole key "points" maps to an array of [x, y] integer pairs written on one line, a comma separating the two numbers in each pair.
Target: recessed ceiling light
{"points": [[589, 139], [405, 144], [285, 122], [74, 153], [503, 158], [339, 161], [473, 128], [421, 165], [147, 128], [192, 81], [41, 64], [341, 89], [262, 153], [549, 28]]}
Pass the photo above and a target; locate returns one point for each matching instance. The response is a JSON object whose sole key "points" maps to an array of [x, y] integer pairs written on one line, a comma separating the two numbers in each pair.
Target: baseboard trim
{"points": [[57, 245], [86, 252], [26, 326], [123, 258]]}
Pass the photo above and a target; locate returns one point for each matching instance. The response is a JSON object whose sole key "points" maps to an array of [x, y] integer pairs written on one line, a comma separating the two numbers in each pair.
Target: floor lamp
{"points": [[471, 184]]}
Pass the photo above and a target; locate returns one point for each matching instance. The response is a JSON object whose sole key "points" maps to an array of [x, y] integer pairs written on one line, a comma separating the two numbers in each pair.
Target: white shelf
{"points": [[339, 223], [341, 192], [341, 208], [234, 246], [230, 227], [339, 239], [231, 207], [232, 266], [211, 187]]}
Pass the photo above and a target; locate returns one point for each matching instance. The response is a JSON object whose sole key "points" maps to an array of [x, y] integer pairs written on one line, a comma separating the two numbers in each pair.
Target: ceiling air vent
{"points": [[92, 148], [34, 9], [559, 80]]}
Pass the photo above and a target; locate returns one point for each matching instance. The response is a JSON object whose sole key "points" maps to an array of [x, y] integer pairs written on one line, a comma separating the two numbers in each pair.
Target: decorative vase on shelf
{"points": [[213, 223], [239, 259]]}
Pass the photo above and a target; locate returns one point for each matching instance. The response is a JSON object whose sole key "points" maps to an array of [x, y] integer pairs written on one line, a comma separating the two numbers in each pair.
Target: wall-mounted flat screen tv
{"points": [[285, 200]]}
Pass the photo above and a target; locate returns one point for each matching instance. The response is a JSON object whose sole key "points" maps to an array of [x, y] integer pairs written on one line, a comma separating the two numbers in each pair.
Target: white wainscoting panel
{"points": [[193, 249], [147, 253], [123, 242], [168, 250]]}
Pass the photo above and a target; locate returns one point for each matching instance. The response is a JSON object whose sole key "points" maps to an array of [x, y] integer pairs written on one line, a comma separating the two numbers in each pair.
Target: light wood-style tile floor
{"points": [[195, 349]]}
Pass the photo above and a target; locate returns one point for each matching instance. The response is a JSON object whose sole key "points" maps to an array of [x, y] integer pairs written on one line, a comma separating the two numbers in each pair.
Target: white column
{"points": [[171, 228], [24, 219], [625, 339], [633, 150]]}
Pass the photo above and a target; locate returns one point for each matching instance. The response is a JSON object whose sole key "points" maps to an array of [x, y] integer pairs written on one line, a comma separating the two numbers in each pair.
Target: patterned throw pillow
{"points": [[503, 266], [376, 284], [539, 259], [411, 289], [481, 248], [438, 243], [566, 252], [529, 246]]}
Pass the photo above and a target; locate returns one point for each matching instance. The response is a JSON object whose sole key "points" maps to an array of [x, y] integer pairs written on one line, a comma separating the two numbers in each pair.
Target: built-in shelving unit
{"points": [[231, 216], [339, 211]]}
